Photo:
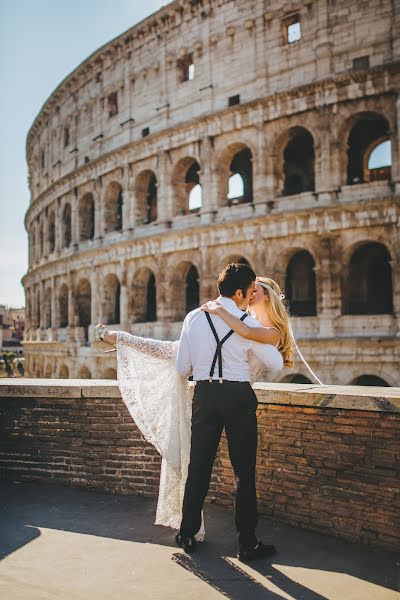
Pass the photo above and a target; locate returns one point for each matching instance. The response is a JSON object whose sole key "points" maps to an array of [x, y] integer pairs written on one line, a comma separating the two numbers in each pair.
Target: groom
{"points": [[223, 398]]}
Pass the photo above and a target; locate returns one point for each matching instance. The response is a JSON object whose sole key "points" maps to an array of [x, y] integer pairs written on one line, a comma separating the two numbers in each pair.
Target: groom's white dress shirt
{"points": [[197, 347]]}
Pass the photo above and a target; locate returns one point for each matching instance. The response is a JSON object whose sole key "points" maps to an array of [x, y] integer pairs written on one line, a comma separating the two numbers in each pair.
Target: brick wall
{"points": [[333, 467]]}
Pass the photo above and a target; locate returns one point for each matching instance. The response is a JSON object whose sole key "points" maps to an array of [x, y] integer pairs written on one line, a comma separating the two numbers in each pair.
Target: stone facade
{"points": [[196, 95]]}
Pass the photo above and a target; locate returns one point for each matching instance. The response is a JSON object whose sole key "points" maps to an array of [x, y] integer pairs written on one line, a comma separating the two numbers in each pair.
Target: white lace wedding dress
{"points": [[160, 402]]}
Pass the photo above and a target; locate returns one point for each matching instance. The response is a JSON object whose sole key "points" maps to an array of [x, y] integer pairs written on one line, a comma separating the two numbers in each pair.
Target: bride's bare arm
{"points": [[264, 335]]}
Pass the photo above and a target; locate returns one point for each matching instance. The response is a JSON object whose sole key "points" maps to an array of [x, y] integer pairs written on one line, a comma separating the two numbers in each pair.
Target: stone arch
{"points": [[37, 308], [143, 297], [83, 303], [370, 380], [295, 166], [113, 206], [51, 231], [236, 159], [145, 188], [41, 240], [185, 177], [184, 288], [367, 281], [86, 212], [48, 372], [363, 131], [84, 373], [111, 299], [300, 284], [63, 305], [66, 226], [63, 372], [109, 373]]}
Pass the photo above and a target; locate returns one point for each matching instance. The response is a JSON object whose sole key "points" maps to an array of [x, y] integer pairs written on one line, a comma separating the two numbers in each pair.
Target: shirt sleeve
{"points": [[183, 360], [268, 355]]}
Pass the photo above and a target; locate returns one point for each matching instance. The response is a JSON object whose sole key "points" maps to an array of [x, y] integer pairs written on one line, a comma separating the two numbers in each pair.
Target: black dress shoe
{"points": [[260, 551], [188, 544]]}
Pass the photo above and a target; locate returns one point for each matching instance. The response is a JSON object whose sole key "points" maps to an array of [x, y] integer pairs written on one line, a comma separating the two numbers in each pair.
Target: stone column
{"points": [[99, 211], [57, 227], [124, 300], [72, 317], [327, 170], [209, 181], [263, 176], [165, 209], [328, 286], [53, 307], [74, 219], [396, 149], [127, 213]]}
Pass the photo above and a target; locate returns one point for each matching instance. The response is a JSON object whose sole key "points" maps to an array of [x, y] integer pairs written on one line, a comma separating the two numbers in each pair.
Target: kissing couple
{"points": [[224, 345]]}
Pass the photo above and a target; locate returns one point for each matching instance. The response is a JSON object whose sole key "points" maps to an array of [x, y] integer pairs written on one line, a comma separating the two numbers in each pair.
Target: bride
{"points": [[159, 399]]}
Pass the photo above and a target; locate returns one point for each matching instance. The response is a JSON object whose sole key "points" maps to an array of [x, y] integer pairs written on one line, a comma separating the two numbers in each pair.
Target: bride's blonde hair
{"points": [[279, 316]]}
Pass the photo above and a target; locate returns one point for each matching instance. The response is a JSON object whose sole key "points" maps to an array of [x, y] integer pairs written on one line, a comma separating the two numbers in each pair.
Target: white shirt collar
{"points": [[227, 303]]}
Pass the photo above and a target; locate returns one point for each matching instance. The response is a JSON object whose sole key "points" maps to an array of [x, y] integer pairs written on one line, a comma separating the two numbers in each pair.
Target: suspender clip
{"points": [[221, 380], [210, 380]]}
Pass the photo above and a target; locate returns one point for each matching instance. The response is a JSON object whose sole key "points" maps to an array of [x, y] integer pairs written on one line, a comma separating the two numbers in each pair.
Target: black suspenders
{"points": [[218, 351]]}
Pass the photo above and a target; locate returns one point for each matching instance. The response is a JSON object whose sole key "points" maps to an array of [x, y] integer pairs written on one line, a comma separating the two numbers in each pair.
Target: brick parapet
{"points": [[328, 457]]}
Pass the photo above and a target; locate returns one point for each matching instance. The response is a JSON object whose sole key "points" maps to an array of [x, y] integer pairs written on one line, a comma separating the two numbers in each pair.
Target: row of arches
{"points": [[367, 159], [50, 370], [366, 289]]}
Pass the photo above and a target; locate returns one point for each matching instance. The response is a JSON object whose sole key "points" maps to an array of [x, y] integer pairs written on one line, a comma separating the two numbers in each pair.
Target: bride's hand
{"points": [[211, 307]]}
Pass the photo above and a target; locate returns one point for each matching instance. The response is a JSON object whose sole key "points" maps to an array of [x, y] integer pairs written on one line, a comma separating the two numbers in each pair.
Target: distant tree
{"points": [[20, 368]]}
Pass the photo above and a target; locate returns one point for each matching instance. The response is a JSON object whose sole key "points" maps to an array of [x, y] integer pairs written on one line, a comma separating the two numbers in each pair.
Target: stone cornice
{"points": [[145, 245], [376, 399]]}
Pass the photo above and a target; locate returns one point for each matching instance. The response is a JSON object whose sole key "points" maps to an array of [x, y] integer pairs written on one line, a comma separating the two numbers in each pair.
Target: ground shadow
{"points": [[26, 507]]}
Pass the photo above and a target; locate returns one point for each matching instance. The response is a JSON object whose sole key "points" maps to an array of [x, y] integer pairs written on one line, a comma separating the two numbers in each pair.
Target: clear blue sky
{"points": [[41, 41]]}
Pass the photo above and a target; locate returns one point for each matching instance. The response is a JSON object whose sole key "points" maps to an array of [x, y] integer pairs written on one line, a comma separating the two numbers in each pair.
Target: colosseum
{"points": [[213, 131]]}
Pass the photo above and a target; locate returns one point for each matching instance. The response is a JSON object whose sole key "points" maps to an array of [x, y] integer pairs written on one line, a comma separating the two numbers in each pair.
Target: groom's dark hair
{"points": [[235, 276]]}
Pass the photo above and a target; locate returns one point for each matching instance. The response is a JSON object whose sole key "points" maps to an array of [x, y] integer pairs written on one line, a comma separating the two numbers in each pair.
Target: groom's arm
{"points": [[183, 359]]}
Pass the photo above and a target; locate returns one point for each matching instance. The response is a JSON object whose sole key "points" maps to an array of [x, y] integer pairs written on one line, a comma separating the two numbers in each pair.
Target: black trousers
{"points": [[231, 405]]}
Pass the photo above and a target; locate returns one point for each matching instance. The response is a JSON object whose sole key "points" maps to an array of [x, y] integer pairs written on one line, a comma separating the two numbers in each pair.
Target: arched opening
{"points": [[300, 285], [48, 372], [146, 198], [83, 301], [113, 207], [240, 180], [63, 306], [66, 226], [84, 373], [368, 285], [379, 161], [143, 305], [299, 161], [186, 186], [296, 378], [368, 131], [86, 217], [192, 289], [370, 380], [109, 374], [52, 232], [111, 300], [64, 372]]}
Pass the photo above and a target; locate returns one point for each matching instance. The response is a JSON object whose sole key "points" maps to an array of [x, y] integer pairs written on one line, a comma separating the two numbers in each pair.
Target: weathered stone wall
{"points": [[328, 458]]}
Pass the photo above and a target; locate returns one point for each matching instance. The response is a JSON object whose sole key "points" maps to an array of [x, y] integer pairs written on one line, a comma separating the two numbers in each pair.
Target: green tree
{"points": [[9, 358]]}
